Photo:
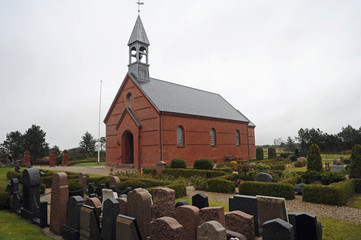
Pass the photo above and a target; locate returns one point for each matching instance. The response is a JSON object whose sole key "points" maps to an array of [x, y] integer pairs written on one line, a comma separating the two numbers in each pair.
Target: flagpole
{"points": [[100, 107]]}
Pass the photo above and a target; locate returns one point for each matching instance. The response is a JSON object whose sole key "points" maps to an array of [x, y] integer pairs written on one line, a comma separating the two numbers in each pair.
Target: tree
{"points": [[277, 142], [271, 153], [314, 160], [355, 165], [290, 145], [349, 137], [14, 144], [34, 141], [88, 143], [259, 153], [102, 143], [57, 150]]}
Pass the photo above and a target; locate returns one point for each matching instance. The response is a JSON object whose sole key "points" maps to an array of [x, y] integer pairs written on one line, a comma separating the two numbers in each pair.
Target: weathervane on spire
{"points": [[139, 3]]}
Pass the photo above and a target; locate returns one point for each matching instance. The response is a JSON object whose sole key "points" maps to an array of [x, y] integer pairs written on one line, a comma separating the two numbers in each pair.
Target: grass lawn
{"points": [[355, 202], [14, 227]]}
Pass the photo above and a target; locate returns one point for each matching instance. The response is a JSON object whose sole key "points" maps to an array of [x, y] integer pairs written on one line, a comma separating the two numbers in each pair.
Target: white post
{"points": [[100, 107]]}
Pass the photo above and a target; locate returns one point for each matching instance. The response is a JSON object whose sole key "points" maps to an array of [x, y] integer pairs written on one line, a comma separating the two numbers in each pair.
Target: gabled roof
{"points": [[138, 33], [127, 109], [175, 98]]}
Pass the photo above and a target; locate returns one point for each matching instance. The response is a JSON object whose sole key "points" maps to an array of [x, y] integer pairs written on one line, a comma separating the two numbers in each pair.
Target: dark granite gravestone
{"points": [[16, 197], [263, 177], [43, 214], [200, 200], [234, 235], [292, 221], [247, 204], [277, 229], [110, 213], [90, 188], [127, 228], [308, 227], [181, 203], [31, 195], [89, 225], [99, 191], [72, 224]]}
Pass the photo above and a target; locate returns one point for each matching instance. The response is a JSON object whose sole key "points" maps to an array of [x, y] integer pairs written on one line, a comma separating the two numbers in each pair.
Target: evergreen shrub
{"points": [[284, 190], [331, 177], [178, 163], [149, 171], [271, 153], [281, 167], [259, 153], [13, 174], [284, 155], [291, 180], [186, 173], [357, 183], [75, 189], [203, 163], [355, 165], [4, 200], [314, 159], [131, 183], [199, 183], [220, 185]]}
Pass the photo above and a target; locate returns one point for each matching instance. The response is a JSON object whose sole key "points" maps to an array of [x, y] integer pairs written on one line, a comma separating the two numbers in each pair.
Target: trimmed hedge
{"points": [[131, 183], [333, 194], [186, 173], [291, 180], [179, 188], [13, 174], [149, 171], [220, 185], [203, 164], [178, 163], [284, 190], [76, 189], [357, 183], [281, 167]]}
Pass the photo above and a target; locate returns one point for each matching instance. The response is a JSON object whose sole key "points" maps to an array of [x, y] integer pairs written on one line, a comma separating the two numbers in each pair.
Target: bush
{"points": [[284, 190], [311, 176], [299, 188], [47, 180], [293, 158], [355, 165], [314, 160], [42, 188], [4, 200], [291, 180], [271, 153], [357, 183], [199, 183], [220, 185], [298, 164], [203, 163], [186, 173], [13, 174], [149, 171], [281, 167], [333, 194], [178, 163], [259, 153], [261, 166], [331, 177], [284, 155], [131, 183], [346, 161], [76, 189]]}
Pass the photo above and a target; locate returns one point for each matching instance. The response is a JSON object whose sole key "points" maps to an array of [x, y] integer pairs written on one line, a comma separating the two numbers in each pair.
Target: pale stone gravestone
{"points": [[106, 194], [247, 204], [82, 179], [277, 229], [308, 227], [160, 167], [165, 228], [52, 158], [72, 223], [240, 222], [110, 213], [16, 197], [89, 225], [212, 213], [127, 228], [96, 204], [200, 200], [59, 199], [114, 182], [31, 195], [211, 230], [65, 158], [139, 206], [234, 235], [181, 203], [338, 168], [163, 202], [263, 177], [188, 217], [122, 205], [270, 208]]}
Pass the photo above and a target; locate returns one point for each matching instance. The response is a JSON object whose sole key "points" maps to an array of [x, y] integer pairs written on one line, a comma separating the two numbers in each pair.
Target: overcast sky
{"points": [[286, 64]]}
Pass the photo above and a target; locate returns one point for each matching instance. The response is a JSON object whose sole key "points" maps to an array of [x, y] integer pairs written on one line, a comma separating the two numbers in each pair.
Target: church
{"points": [[152, 120]]}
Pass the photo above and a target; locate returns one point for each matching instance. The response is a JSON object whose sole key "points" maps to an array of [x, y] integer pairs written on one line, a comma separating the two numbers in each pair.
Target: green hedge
{"points": [[4, 200], [225, 169], [220, 185], [179, 188], [333, 194], [284, 190], [131, 183], [281, 167], [76, 189], [357, 184], [149, 171], [186, 173], [291, 180], [13, 174]]}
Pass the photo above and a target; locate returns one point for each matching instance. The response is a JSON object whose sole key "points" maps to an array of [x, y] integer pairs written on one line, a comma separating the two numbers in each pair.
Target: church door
{"points": [[128, 148]]}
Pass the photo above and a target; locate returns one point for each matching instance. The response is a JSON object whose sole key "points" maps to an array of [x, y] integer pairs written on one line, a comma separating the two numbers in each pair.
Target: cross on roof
{"points": [[139, 3]]}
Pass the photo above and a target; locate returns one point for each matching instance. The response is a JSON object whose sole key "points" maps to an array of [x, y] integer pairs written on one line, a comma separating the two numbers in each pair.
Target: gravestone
{"points": [[43, 214], [65, 158], [82, 179], [27, 158], [181, 203], [110, 213], [200, 200], [277, 229], [122, 205], [211, 230], [127, 228], [247, 204], [59, 199], [139, 206], [90, 188], [89, 225], [72, 223], [270, 208], [212, 213], [292, 221], [107, 194], [163, 202], [16, 197], [99, 191], [263, 177], [114, 182], [188, 217], [31, 195], [165, 228], [338, 168], [160, 167], [126, 191], [52, 158], [96, 204], [231, 235], [308, 227], [240, 222]]}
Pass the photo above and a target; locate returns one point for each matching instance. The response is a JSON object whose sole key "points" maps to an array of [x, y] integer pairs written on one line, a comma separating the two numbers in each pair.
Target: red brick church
{"points": [[152, 120]]}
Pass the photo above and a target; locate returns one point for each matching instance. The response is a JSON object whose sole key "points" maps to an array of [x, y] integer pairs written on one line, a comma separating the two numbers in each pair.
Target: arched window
{"points": [[237, 138], [129, 99], [213, 137], [180, 136]]}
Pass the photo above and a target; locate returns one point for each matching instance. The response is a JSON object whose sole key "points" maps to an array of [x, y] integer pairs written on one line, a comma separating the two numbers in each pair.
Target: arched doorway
{"points": [[128, 148]]}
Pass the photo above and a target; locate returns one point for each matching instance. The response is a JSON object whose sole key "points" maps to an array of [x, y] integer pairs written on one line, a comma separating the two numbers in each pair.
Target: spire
{"points": [[138, 33]]}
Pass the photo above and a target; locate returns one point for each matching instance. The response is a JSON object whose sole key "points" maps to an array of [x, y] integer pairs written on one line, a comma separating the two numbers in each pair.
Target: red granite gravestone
{"points": [[212, 213], [188, 217], [27, 158], [240, 222], [163, 202], [165, 228], [59, 199], [122, 205], [52, 158], [96, 204], [82, 179], [114, 181], [65, 158]]}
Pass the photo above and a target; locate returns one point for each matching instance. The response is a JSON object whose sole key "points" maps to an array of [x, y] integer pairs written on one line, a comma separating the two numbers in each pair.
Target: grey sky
{"points": [[285, 64]]}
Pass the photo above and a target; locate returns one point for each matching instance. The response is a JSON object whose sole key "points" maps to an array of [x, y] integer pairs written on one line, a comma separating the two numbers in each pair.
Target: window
{"points": [[180, 136], [129, 99], [213, 137], [237, 138]]}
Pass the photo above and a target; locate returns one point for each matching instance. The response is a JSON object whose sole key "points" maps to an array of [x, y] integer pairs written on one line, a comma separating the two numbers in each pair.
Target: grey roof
{"points": [[174, 98], [138, 33]]}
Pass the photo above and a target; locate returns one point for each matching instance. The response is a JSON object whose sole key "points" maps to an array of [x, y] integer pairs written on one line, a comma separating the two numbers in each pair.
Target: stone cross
{"points": [[59, 199]]}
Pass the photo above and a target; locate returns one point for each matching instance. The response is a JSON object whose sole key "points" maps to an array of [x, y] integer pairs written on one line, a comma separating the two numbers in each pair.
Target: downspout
{"points": [[161, 136]]}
